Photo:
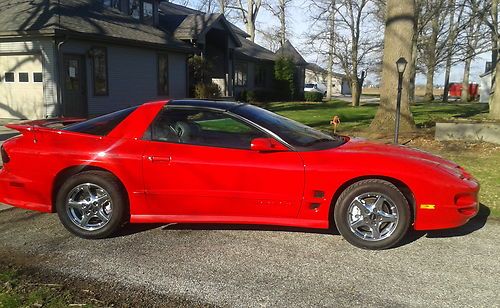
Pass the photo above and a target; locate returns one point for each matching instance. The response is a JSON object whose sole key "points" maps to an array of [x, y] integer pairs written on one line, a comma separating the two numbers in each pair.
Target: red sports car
{"points": [[192, 161]]}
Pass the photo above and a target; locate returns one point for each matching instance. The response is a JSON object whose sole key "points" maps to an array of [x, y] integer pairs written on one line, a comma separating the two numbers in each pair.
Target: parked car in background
{"points": [[194, 161], [315, 87]]}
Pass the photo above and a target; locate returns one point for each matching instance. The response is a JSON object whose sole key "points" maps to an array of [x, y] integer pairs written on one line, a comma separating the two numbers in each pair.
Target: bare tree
{"points": [[473, 41], [398, 42], [321, 39], [248, 11], [279, 9], [356, 39], [453, 30], [495, 79]]}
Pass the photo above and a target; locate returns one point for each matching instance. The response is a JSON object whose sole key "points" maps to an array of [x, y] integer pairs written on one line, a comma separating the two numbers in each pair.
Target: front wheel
{"points": [[92, 204], [372, 214]]}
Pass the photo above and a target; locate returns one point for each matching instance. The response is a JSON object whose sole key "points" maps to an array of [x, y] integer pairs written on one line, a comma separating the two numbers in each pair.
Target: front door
{"points": [[74, 87], [199, 162]]}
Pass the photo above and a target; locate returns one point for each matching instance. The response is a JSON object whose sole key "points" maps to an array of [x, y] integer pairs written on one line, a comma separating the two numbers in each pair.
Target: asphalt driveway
{"points": [[265, 266]]}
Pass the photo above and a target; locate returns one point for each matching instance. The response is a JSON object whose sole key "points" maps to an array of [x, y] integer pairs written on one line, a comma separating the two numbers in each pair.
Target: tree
{"points": [[495, 79], [398, 42], [248, 12], [346, 32], [279, 9], [453, 29], [471, 39]]}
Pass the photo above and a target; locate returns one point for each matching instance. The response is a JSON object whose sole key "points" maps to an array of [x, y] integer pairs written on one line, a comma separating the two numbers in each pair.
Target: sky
{"points": [[299, 25]]}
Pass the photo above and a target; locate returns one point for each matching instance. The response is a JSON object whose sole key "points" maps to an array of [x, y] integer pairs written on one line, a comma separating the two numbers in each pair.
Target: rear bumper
{"points": [[463, 204], [21, 192]]}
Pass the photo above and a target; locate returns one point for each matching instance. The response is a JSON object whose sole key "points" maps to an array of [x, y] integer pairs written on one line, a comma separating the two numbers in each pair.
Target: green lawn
{"points": [[318, 115], [482, 160]]}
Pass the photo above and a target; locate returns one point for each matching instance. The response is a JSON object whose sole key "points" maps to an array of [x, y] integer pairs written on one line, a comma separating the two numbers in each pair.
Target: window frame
{"points": [[13, 77], [161, 90], [24, 74], [37, 74], [148, 134], [94, 71], [244, 73]]}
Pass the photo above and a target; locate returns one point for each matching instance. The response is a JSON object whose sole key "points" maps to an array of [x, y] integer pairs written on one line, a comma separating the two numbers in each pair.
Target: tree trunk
{"points": [[282, 16], [331, 52], [495, 93], [412, 65], [449, 52], [465, 81], [495, 79], [356, 93], [431, 61], [398, 42]]}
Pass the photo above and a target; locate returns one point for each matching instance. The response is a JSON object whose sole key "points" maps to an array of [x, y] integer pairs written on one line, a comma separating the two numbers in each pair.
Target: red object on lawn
{"points": [[191, 161], [456, 90]]}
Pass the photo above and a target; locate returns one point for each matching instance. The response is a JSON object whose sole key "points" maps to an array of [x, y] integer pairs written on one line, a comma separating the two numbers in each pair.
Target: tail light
{"points": [[5, 156]]}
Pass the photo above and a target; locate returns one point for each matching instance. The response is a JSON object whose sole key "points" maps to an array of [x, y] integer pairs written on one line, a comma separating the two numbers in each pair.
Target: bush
{"points": [[241, 96], [313, 96], [207, 90], [284, 74]]}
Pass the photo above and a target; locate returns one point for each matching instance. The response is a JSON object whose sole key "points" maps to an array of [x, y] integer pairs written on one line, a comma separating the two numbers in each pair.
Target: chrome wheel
{"points": [[89, 206], [372, 216]]}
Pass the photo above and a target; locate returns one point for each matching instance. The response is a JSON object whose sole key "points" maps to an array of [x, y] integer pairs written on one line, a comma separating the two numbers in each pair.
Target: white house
{"points": [[316, 74]]}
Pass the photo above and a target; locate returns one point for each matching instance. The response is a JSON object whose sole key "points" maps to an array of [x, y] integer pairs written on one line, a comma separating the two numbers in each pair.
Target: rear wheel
{"points": [[372, 214], [92, 204]]}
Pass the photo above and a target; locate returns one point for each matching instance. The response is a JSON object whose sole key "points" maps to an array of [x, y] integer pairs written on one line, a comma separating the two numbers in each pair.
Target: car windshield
{"points": [[294, 133], [101, 126], [309, 85]]}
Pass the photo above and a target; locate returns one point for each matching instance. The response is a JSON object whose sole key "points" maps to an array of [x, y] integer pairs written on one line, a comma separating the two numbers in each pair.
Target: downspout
{"points": [[60, 74]]}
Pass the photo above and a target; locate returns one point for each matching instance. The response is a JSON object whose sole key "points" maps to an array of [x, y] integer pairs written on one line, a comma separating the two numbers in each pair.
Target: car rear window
{"points": [[101, 126]]}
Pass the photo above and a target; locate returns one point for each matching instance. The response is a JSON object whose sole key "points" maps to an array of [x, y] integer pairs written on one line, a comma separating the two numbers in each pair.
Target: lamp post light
{"points": [[401, 66]]}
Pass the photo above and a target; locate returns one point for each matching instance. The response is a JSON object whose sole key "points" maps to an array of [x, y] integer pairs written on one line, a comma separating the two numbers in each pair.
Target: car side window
{"points": [[202, 127]]}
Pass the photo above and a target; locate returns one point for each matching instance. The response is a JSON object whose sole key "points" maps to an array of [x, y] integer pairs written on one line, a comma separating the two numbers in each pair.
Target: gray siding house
{"points": [[79, 58]]}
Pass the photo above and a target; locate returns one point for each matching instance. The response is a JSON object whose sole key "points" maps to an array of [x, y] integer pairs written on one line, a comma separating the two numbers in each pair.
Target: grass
{"points": [[17, 291], [481, 159], [318, 115]]}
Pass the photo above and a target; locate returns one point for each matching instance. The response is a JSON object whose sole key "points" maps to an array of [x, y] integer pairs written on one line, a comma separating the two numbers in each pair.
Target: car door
{"points": [[199, 162]]}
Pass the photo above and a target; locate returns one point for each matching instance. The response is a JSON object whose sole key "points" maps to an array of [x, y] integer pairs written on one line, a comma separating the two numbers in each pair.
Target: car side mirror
{"points": [[267, 145]]}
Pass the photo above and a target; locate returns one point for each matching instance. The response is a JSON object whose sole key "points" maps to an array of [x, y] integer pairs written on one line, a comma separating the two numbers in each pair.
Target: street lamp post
{"points": [[401, 66]]}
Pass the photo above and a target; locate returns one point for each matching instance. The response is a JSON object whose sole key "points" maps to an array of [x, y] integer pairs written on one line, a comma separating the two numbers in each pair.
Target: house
{"points": [[485, 83], [81, 58], [316, 74]]}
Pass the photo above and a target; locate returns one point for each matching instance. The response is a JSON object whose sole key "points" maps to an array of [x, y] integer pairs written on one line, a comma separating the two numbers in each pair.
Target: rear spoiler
{"points": [[46, 123]]}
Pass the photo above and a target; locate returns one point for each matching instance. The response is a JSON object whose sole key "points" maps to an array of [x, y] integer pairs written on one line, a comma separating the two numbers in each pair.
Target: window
{"points": [[9, 77], [163, 74], [240, 74], [23, 77], [260, 75], [135, 9], [147, 12], [101, 126], [111, 3], [37, 77], [100, 71], [202, 127]]}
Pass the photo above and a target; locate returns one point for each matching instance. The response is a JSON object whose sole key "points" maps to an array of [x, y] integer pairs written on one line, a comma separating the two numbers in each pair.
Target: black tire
{"points": [[368, 224], [113, 189]]}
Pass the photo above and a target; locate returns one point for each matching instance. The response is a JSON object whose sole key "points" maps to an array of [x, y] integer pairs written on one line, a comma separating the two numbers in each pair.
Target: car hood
{"points": [[356, 145]]}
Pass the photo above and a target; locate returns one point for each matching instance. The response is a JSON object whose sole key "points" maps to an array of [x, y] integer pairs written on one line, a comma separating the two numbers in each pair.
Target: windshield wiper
{"points": [[321, 140]]}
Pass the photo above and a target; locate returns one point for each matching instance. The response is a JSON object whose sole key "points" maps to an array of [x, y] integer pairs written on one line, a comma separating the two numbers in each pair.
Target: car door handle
{"points": [[160, 159]]}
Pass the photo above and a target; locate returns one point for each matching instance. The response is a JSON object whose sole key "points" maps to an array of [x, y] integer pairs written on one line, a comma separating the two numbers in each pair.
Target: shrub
{"points": [[241, 96], [207, 90], [284, 74], [313, 96]]}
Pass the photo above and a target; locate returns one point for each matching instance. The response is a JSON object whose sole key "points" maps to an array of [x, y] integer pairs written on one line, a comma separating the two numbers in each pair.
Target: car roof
{"points": [[222, 105]]}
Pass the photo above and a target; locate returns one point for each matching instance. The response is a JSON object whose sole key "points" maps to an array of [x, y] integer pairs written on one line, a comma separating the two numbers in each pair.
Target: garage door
{"points": [[21, 87]]}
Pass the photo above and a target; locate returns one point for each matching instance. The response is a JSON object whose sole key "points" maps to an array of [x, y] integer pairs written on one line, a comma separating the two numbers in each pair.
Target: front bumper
{"points": [[458, 205]]}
